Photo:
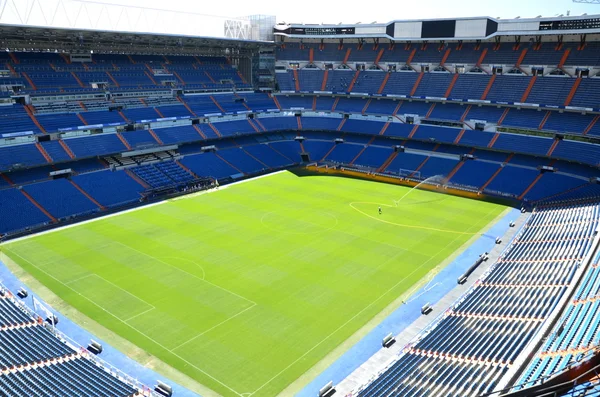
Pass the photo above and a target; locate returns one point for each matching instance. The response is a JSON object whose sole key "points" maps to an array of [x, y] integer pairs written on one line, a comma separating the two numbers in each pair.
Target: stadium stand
{"points": [[489, 327], [36, 361], [411, 111]]}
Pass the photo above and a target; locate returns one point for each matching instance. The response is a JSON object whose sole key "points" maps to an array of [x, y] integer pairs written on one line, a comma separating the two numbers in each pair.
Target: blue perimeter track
{"points": [[82, 337]]}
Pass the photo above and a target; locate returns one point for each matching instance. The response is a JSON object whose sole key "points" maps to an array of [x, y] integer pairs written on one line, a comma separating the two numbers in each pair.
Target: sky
{"points": [[206, 17], [332, 11]]}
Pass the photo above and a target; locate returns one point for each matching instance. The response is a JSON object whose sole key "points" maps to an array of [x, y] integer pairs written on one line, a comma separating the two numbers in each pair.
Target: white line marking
{"points": [[360, 312], [124, 290], [79, 278], [132, 327], [137, 208], [139, 314], [63, 258], [181, 270], [185, 260], [213, 327]]}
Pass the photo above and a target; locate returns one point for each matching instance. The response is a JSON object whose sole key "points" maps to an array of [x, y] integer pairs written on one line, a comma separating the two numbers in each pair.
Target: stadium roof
{"points": [[471, 28], [35, 38]]}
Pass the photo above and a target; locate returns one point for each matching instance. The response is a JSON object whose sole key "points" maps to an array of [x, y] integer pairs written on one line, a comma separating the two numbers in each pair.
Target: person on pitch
{"points": [[379, 210]]}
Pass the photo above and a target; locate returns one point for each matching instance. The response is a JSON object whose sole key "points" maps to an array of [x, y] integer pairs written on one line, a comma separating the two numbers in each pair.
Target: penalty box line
{"points": [[357, 314], [132, 327], [188, 273]]}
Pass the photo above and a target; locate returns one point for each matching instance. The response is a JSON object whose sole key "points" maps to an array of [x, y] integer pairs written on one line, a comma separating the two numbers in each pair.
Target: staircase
{"points": [[341, 124], [77, 79], [150, 77], [324, 83], [383, 83], [156, 138], [12, 70], [187, 106], [29, 111], [186, 169], [210, 77], [216, 131], [413, 131], [38, 205], [493, 140], [536, 180], [573, 91], [379, 56], [501, 120], [361, 151], [521, 57], [328, 152], [481, 57], [445, 57], [80, 117], [296, 80], [43, 152], [66, 148], [87, 195], [543, 122], [123, 116], [337, 99], [137, 179], [420, 166], [199, 131], [529, 87], [110, 76], [591, 125], [122, 139], [488, 87], [253, 125], [485, 185], [178, 77], [276, 101], [14, 58], [229, 164], [554, 145], [26, 76], [416, 85], [212, 98], [464, 115], [346, 57], [564, 58], [451, 86], [411, 56], [459, 137], [353, 82], [311, 55], [299, 122], [430, 110], [364, 109], [455, 170], [159, 113], [384, 128]]}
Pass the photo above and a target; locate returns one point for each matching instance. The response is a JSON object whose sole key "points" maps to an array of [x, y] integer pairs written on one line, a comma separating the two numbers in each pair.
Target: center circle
{"points": [[306, 222]]}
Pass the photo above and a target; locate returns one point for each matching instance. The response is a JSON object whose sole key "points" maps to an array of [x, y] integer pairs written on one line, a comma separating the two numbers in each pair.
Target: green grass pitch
{"points": [[247, 288]]}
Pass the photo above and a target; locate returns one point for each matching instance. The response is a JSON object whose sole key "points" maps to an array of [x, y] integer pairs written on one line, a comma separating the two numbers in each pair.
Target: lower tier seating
{"points": [[471, 347]]}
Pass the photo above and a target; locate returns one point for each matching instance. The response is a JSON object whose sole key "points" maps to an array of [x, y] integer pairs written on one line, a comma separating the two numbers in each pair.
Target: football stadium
{"points": [[407, 208]]}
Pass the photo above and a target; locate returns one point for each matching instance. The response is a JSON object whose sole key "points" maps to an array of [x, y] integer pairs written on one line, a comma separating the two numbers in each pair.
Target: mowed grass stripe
{"points": [[254, 284]]}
